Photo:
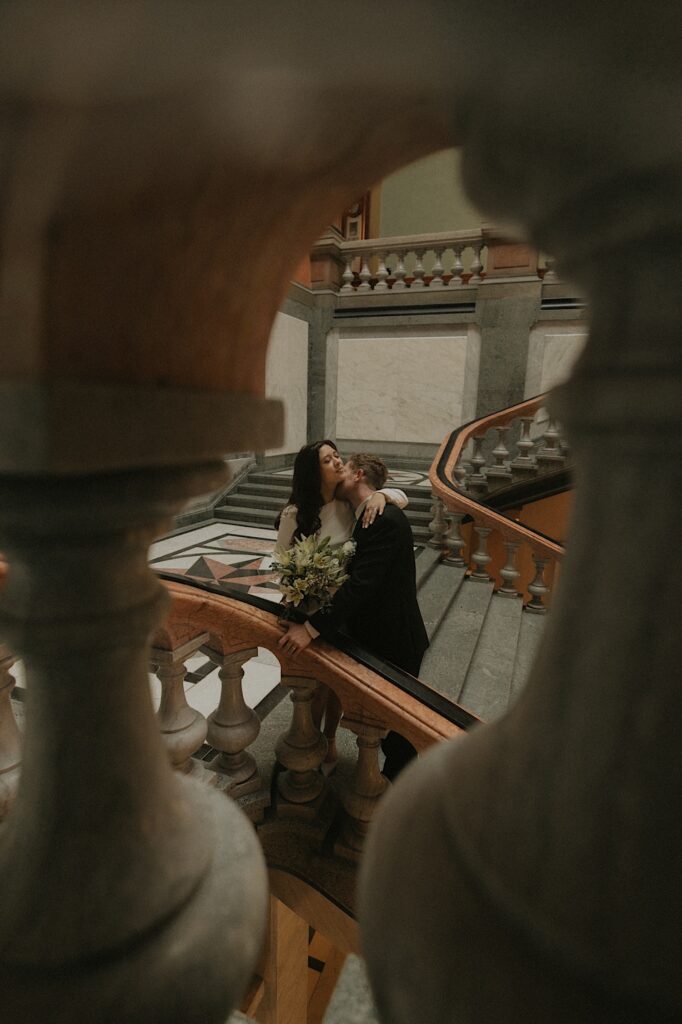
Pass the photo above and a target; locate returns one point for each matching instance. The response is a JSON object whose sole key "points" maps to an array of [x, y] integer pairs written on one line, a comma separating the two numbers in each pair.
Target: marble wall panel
{"points": [[286, 377], [471, 379], [405, 384], [552, 350], [331, 384]]}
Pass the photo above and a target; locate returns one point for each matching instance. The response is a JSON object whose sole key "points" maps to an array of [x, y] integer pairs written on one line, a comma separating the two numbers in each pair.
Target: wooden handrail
{"points": [[235, 625], [442, 477], [411, 243]]}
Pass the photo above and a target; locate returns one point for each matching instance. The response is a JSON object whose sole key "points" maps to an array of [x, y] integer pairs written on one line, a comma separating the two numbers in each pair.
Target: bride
{"points": [[313, 509]]}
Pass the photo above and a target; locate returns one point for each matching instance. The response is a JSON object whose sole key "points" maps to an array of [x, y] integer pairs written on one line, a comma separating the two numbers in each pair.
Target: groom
{"points": [[377, 607]]}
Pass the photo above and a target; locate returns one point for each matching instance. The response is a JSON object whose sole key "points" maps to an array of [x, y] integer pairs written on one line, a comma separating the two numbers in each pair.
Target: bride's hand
{"points": [[374, 507]]}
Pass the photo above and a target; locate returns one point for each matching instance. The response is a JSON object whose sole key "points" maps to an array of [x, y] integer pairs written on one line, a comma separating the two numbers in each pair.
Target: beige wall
{"points": [[426, 196], [286, 377]]}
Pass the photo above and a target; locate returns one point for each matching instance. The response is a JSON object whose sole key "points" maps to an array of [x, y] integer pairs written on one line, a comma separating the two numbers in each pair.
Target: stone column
{"points": [[537, 862], [10, 740], [183, 729], [301, 750], [233, 726], [367, 787], [145, 877], [505, 314]]}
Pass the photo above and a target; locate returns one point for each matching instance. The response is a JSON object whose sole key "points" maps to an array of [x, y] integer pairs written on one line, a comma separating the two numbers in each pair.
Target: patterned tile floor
{"points": [[236, 557]]}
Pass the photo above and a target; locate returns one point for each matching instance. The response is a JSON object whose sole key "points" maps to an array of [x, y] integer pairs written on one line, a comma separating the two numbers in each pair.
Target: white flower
{"points": [[311, 571]]}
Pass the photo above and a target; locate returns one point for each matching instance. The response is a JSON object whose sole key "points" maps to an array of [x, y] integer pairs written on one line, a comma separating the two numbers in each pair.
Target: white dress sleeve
{"points": [[287, 527], [396, 496]]}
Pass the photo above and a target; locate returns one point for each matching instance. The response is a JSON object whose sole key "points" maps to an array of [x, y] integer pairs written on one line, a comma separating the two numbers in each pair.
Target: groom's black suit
{"points": [[377, 607]]}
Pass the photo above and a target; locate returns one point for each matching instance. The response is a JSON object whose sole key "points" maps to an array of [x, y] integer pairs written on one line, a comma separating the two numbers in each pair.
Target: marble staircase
{"points": [[258, 497], [482, 643]]}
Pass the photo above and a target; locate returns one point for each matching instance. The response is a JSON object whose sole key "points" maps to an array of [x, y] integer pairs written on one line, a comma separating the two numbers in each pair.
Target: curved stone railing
{"points": [[229, 630], [462, 474], [374, 697], [435, 261], [391, 274]]}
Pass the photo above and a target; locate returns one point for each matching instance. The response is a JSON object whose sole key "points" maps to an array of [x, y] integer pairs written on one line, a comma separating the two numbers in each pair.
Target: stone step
{"points": [[244, 498], [447, 660], [437, 593], [263, 518], [530, 634], [487, 687], [262, 476], [250, 500], [405, 463], [242, 510], [426, 561], [283, 483], [281, 491]]}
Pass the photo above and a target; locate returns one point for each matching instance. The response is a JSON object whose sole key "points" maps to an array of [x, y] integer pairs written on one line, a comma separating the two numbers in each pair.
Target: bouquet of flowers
{"points": [[311, 571]]}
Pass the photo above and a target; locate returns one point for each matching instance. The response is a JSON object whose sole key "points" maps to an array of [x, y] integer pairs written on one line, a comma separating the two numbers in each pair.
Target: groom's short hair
{"points": [[371, 465]]}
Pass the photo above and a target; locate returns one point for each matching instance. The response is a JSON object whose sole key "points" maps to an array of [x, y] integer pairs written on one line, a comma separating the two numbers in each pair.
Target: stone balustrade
{"points": [[230, 632], [436, 262], [474, 463], [540, 447]]}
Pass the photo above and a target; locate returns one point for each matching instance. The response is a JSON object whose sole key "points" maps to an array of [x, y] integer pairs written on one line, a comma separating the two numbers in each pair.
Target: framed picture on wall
{"points": [[355, 220]]}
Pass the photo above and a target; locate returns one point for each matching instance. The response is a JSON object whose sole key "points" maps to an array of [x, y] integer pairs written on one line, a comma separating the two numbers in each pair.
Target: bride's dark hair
{"points": [[306, 489]]}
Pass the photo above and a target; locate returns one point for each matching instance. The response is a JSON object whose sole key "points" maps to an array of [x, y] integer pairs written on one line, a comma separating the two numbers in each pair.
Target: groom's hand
{"points": [[295, 639]]}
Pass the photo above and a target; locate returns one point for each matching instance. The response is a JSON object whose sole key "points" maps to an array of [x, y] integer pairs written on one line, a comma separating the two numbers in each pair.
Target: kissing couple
{"points": [[377, 605]]}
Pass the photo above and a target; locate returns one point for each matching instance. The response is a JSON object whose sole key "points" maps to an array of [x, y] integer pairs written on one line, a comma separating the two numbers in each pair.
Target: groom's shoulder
{"points": [[394, 514], [393, 519]]}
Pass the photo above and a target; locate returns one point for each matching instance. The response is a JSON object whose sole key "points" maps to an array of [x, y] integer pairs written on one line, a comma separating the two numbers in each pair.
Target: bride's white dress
{"points": [[337, 519]]}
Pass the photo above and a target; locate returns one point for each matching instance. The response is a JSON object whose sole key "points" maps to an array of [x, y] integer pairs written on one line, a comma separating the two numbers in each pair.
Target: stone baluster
{"points": [[366, 789], [550, 455], [476, 482], [132, 861], [234, 726], [348, 277], [480, 557], [460, 474], [453, 541], [438, 525], [561, 841], [509, 572], [301, 750], [418, 271], [500, 471], [524, 465], [365, 274], [10, 739], [382, 274], [399, 274], [183, 728], [437, 270], [457, 267], [538, 588], [476, 264]]}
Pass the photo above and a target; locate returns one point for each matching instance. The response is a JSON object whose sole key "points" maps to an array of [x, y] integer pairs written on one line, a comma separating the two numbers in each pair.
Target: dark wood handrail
{"points": [[444, 485], [367, 687]]}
